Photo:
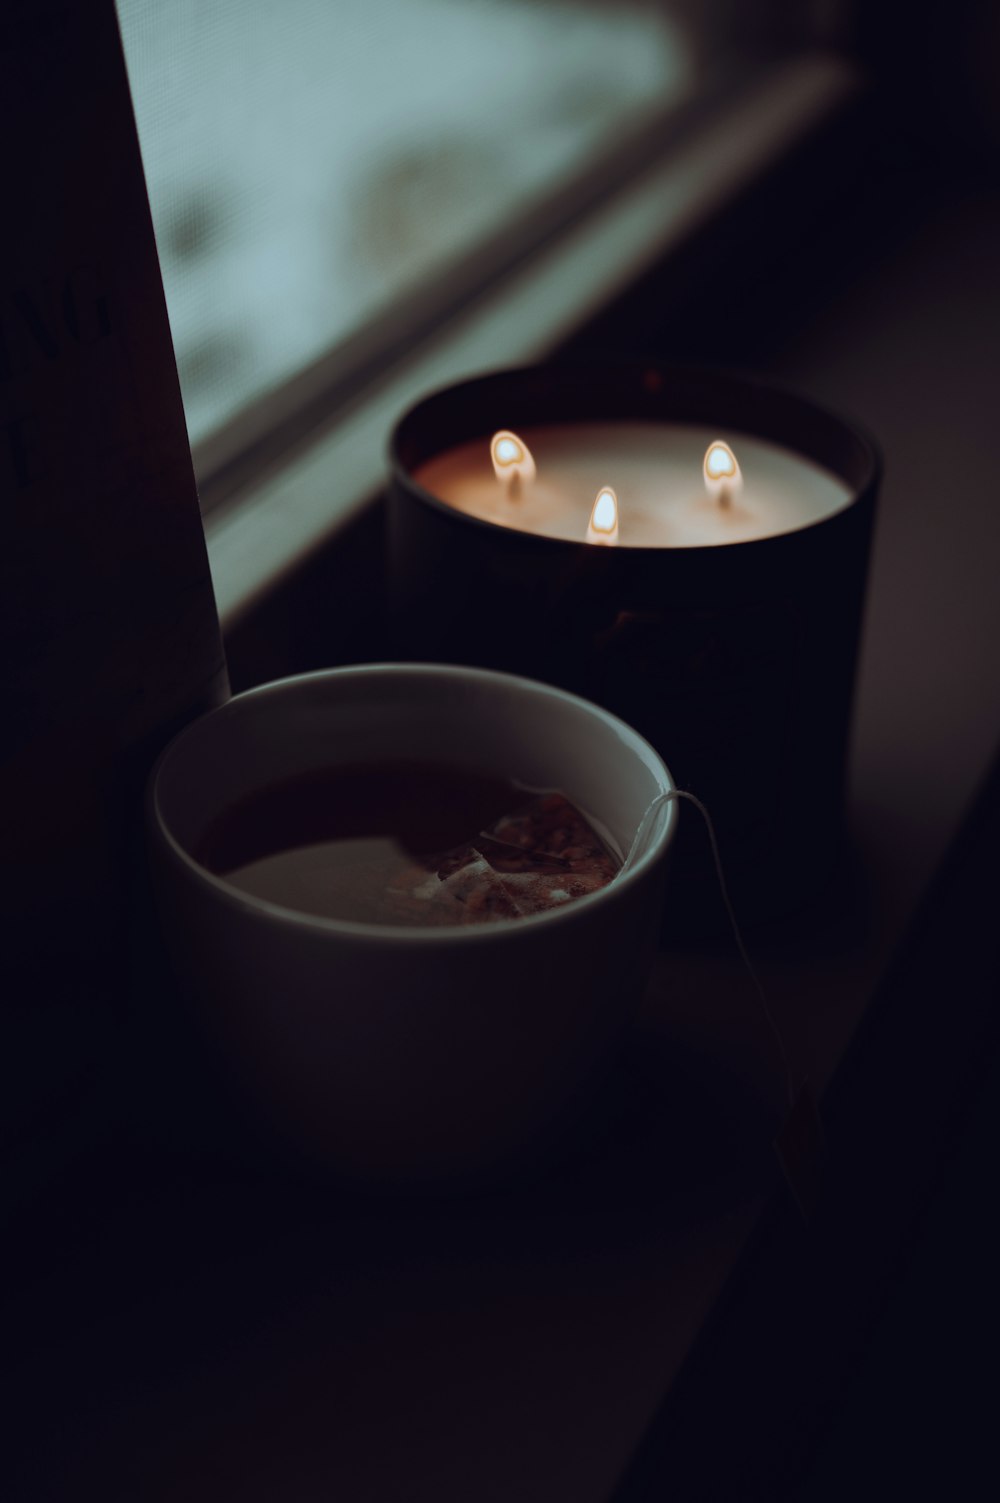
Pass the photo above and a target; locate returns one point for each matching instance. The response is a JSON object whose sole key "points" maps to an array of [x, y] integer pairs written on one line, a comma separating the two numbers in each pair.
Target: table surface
{"points": [[187, 1326]]}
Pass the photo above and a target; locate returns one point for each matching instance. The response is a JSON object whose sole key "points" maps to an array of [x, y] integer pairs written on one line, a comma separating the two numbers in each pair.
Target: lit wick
{"points": [[723, 479], [512, 462], [603, 526]]}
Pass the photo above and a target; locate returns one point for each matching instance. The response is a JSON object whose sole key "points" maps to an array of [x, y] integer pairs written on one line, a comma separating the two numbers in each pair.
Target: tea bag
{"points": [[538, 857]]}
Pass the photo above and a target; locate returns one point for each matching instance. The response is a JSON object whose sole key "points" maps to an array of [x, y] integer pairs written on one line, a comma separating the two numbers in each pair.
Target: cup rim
{"points": [[398, 934]]}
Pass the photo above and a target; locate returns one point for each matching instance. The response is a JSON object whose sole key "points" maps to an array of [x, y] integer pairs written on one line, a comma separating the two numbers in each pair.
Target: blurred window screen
{"points": [[310, 163]]}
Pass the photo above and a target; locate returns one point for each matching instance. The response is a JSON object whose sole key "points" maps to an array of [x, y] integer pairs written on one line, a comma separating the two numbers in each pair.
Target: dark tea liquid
{"points": [[409, 843]]}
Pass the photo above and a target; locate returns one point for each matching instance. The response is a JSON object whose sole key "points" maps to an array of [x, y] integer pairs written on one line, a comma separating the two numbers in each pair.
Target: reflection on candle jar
{"points": [[723, 624]]}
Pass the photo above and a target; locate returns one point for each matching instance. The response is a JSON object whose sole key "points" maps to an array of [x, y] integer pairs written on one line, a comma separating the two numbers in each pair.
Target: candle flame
{"points": [[723, 478], [512, 462], [604, 518]]}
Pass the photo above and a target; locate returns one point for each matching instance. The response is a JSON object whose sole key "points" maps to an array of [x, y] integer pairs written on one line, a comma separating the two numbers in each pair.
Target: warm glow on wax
{"points": [[512, 461], [658, 470], [722, 474], [603, 526]]}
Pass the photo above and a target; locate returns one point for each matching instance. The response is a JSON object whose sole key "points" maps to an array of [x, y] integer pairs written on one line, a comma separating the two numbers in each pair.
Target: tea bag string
{"points": [[642, 835]]}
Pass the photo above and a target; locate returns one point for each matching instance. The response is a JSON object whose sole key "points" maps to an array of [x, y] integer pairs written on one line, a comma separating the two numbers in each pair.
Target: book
{"points": [[110, 635]]}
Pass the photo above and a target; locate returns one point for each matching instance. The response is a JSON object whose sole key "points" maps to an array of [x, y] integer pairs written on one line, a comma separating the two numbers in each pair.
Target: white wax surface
{"points": [[656, 471]]}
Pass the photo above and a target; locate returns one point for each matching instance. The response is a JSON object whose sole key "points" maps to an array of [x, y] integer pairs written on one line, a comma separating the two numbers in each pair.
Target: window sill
{"points": [[272, 526]]}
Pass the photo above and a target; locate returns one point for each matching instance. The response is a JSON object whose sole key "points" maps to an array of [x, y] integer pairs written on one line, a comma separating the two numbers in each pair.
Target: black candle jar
{"points": [[736, 660]]}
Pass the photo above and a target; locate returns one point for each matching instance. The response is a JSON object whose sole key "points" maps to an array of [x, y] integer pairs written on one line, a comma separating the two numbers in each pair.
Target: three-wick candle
{"points": [[722, 616]]}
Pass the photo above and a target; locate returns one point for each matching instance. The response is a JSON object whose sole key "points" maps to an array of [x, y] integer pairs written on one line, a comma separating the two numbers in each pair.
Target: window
{"points": [[310, 164]]}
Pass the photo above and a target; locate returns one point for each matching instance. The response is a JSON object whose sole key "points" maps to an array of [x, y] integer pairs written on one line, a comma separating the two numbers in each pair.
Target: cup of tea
{"points": [[395, 896]]}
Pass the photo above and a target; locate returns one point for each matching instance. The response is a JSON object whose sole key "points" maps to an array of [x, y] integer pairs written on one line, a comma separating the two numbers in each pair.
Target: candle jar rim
{"points": [[563, 393]]}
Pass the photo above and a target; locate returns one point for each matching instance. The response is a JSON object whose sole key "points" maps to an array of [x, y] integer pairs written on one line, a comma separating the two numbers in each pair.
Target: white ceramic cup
{"points": [[407, 1053]]}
